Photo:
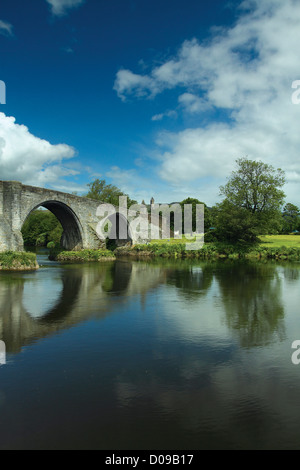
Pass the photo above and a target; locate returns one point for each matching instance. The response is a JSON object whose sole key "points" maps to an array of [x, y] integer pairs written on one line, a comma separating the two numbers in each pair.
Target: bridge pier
{"points": [[10, 216]]}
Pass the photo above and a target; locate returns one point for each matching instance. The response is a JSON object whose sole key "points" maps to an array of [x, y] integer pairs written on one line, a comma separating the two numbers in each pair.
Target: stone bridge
{"points": [[76, 214]]}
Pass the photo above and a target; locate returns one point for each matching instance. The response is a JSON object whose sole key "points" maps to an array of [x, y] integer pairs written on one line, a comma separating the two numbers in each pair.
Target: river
{"points": [[165, 354]]}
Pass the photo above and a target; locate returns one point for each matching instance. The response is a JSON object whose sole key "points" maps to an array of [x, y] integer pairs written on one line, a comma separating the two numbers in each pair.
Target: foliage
{"points": [[84, 255], [291, 218], [207, 216], [235, 224], [253, 198], [210, 236], [11, 260], [214, 251], [107, 193], [40, 228], [255, 186]]}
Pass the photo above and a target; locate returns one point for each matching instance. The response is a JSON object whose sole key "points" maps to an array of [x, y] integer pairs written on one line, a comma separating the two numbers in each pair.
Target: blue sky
{"points": [[159, 98]]}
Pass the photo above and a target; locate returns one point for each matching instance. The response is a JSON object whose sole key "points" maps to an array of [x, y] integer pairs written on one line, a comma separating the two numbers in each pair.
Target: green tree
{"points": [[255, 187], [234, 224], [194, 202], [291, 218], [40, 228], [107, 193]]}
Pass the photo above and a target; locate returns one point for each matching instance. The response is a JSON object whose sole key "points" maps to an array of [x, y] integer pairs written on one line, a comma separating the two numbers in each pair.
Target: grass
{"points": [[271, 247], [17, 261], [84, 256], [171, 241], [272, 241], [277, 241]]}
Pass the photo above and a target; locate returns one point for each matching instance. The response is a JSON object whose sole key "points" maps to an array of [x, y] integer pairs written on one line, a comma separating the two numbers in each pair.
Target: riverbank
{"points": [[276, 247], [18, 261], [83, 256], [210, 251]]}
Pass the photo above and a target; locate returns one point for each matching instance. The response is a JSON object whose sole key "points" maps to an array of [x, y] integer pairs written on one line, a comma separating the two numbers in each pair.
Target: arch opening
{"points": [[71, 239], [118, 226]]}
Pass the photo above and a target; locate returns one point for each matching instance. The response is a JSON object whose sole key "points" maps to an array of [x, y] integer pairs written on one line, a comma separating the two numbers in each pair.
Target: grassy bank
{"points": [[18, 261], [277, 241], [84, 256], [271, 247]]}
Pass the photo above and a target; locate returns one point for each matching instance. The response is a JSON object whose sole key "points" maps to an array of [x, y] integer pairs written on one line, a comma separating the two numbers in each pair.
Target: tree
{"points": [[256, 187], [107, 193], [291, 218], [40, 228], [194, 202], [234, 224]]}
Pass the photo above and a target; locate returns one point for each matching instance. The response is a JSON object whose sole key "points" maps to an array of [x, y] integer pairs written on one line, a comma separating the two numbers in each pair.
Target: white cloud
{"points": [[29, 159], [128, 82], [6, 28], [159, 117], [61, 7], [192, 103], [245, 73]]}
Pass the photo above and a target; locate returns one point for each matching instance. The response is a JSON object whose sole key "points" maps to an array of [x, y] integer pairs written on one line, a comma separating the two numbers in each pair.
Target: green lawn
{"points": [[272, 241], [172, 241], [276, 241]]}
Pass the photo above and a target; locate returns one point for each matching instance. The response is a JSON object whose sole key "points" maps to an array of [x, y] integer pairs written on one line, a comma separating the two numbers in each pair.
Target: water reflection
{"points": [[252, 298], [192, 280], [164, 355], [38, 304]]}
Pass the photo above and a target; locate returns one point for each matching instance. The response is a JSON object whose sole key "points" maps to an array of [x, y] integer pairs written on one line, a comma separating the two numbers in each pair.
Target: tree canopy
{"points": [[253, 199], [107, 193], [255, 186], [291, 218], [194, 202]]}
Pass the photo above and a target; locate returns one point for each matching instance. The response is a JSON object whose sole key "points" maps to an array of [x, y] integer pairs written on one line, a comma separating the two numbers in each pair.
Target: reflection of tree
{"points": [[251, 295], [191, 280], [117, 277], [291, 273]]}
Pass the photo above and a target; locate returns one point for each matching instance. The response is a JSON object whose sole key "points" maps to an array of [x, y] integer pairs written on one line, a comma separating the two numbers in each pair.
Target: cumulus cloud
{"points": [[243, 77], [128, 82], [6, 28], [29, 159], [193, 103], [61, 7]]}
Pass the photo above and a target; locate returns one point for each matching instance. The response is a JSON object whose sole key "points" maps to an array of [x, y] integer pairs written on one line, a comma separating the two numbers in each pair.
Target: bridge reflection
{"points": [[36, 305], [81, 292]]}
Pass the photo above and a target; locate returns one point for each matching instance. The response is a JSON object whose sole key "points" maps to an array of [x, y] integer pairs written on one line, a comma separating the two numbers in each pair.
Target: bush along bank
{"points": [[209, 251], [18, 261], [83, 256]]}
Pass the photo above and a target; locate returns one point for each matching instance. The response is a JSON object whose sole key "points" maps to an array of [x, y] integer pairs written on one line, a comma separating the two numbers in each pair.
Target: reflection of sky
{"points": [[225, 395], [195, 319], [41, 293], [170, 374]]}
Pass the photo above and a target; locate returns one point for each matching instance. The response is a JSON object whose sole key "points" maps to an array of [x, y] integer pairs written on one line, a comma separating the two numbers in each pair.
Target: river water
{"points": [[165, 354]]}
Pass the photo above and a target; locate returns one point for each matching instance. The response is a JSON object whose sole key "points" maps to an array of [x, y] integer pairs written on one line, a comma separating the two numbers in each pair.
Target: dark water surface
{"points": [[162, 355]]}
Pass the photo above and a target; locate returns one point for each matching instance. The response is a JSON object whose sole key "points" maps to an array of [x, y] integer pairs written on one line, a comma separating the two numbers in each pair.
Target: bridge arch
{"points": [[72, 237], [78, 216]]}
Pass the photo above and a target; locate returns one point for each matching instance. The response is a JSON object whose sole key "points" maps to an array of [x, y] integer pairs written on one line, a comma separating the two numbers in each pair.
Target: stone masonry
{"points": [[76, 214]]}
